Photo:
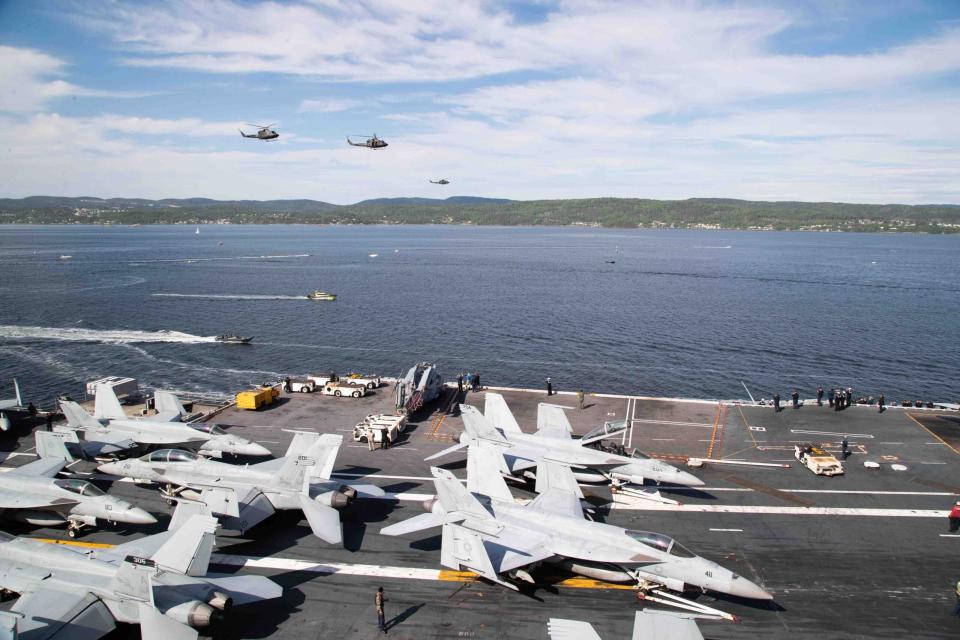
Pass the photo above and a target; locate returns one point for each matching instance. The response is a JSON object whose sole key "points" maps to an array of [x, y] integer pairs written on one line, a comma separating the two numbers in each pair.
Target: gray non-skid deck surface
{"points": [[834, 576]]}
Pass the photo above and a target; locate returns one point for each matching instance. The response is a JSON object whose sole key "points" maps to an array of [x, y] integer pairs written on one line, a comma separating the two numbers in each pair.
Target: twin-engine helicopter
{"points": [[264, 132]]}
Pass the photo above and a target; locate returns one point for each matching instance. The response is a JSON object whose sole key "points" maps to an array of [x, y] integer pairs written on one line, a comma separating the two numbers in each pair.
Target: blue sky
{"points": [[821, 100]]}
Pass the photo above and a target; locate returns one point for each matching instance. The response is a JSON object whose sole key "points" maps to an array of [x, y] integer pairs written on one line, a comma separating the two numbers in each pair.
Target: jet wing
{"points": [[114, 437], [42, 468], [552, 422], [60, 614], [557, 502], [21, 578]]}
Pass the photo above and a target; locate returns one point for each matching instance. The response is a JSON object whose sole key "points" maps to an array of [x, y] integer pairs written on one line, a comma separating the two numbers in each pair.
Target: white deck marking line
{"points": [[950, 535], [832, 433], [675, 423], [889, 443], [732, 530], [663, 439], [639, 504], [290, 564]]}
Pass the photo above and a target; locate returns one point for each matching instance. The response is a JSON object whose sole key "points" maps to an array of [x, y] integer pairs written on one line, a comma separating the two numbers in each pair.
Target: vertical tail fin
{"points": [[461, 548], [316, 462], [455, 497], [302, 440], [477, 426], [498, 413], [106, 404], [485, 464], [168, 403], [188, 550], [51, 445], [77, 416]]}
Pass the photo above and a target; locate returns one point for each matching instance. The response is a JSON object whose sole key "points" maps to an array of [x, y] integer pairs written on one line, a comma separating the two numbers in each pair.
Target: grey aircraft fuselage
{"points": [[202, 473], [614, 554], [523, 451], [49, 501]]}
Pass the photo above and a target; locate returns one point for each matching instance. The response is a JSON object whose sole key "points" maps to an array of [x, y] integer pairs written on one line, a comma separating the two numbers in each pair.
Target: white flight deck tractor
{"points": [[369, 381], [379, 427], [303, 386], [343, 389], [817, 460]]}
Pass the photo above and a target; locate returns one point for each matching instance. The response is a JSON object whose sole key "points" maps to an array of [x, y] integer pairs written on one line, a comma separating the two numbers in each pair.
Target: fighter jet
{"points": [[246, 495], [553, 440], [33, 494], [12, 404], [159, 582], [440, 181], [486, 531], [111, 431]]}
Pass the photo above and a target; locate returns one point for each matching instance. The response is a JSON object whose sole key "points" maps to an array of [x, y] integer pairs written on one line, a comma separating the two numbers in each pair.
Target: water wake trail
{"points": [[220, 259], [117, 336], [226, 296]]}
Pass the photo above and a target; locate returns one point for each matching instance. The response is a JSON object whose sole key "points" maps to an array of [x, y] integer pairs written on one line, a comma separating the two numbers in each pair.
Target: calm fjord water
{"points": [[679, 313]]}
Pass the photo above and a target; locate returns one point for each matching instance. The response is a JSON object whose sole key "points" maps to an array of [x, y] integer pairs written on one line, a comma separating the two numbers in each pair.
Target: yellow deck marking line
{"points": [[713, 434], [932, 433], [443, 575]]}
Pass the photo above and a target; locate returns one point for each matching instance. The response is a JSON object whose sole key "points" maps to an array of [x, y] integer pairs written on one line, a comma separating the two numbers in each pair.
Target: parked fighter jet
{"points": [[112, 431], [11, 404], [264, 132], [158, 582], [371, 143], [486, 531], [440, 181], [33, 494], [246, 495], [553, 440], [646, 624]]}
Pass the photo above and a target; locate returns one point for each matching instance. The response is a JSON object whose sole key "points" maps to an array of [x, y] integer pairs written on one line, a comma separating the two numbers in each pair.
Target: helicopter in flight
{"points": [[440, 181], [263, 133], [371, 143]]}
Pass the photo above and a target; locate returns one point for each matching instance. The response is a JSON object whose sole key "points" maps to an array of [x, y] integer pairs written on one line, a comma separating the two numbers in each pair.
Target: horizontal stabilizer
{"points": [[368, 490], [560, 629], [554, 475], [323, 520], [651, 623], [156, 626], [463, 549], [416, 523], [448, 450], [185, 510], [247, 589]]}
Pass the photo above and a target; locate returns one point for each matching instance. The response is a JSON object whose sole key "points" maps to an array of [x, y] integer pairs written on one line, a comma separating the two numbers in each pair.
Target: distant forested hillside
{"points": [[603, 212]]}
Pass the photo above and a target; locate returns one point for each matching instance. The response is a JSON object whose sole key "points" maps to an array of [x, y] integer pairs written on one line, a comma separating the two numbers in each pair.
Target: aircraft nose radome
{"points": [[688, 479], [107, 467], [136, 515], [746, 589], [253, 449]]}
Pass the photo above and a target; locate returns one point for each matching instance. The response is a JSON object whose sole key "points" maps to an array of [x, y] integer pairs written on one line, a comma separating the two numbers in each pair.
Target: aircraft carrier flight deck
{"points": [[866, 554]]}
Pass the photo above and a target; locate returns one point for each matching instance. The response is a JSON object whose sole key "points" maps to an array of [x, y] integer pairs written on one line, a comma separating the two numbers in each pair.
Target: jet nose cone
{"points": [[136, 515], [253, 449], [688, 479], [108, 467], [743, 588]]}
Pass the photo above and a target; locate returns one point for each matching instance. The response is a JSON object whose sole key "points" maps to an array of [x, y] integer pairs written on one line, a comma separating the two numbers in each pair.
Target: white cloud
{"points": [[331, 105], [31, 79]]}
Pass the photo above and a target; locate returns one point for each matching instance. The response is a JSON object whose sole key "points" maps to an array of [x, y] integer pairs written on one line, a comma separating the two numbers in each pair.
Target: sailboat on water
{"points": [[197, 232]]}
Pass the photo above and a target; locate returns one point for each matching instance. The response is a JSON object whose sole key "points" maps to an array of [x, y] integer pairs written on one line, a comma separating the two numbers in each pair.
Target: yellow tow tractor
{"points": [[817, 460]]}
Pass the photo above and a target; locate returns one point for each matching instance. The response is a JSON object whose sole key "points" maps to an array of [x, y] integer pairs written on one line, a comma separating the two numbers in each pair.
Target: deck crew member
{"points": [[838, 401], [370, 440], [476, 381], [378, 603], [831, 395], [880, 401], [954, 517], [776, 403], [580, 399], [549, 387], [460, 382], [845, 447], [820, 396], [849, 396], [795, 397]]}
